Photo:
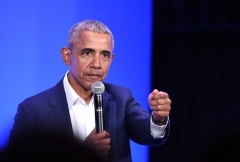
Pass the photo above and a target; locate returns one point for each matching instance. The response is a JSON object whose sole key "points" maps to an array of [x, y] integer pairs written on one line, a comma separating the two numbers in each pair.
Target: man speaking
{"points": [[68, 107]]}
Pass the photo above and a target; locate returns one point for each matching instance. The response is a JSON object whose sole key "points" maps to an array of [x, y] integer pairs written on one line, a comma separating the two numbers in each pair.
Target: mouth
{"points": [[94, 76]]}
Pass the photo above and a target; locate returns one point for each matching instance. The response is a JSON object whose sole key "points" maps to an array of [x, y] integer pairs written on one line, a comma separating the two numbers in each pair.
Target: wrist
{"points": [[159, 122]]}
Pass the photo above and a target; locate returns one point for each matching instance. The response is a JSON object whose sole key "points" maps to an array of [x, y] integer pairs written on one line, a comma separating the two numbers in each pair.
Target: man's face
{"points": [[89, 59]]}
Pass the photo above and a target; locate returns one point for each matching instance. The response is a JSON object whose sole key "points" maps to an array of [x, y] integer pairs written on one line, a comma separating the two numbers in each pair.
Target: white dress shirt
{"points": [[83, 115]]}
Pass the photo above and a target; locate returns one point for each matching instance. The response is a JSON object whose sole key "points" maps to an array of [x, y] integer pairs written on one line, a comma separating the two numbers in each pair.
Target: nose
{"points": [[96, 62]]}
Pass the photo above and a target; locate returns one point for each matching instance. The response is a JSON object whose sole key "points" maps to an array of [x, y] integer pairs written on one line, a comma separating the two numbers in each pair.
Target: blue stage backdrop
{"points": [[33, 32]]}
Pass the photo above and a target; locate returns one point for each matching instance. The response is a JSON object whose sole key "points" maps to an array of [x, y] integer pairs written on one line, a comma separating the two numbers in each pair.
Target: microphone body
{"points": [[98, 89], [99, 121]]}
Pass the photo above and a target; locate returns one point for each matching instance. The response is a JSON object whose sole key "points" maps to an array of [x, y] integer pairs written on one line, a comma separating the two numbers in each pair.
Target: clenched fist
{"points": [[160, 104]]}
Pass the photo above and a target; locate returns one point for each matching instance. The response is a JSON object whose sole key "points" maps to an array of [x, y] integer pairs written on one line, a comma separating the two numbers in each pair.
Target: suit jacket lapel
{"points": [[59, 113], [110, 119], [109, 109], [60, 117]]}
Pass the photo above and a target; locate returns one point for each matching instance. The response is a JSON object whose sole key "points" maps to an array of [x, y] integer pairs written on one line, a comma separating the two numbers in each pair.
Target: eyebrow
{"points": [[87, 49], [106, 51], [92, 50]]}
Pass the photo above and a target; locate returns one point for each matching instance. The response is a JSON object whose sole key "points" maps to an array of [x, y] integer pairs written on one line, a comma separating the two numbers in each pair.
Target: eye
{"points": [[106, 54], [87, 52]]}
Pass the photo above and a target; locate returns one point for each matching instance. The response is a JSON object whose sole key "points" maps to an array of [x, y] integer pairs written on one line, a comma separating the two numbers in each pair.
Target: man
{"points": [[68, 107]]}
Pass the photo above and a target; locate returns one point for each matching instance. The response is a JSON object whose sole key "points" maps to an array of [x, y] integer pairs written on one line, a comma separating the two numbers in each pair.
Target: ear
{"points": [[65, 52]]}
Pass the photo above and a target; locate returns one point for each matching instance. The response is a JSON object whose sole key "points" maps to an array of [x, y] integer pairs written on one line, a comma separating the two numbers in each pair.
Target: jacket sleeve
{"points": [[138, 124]]}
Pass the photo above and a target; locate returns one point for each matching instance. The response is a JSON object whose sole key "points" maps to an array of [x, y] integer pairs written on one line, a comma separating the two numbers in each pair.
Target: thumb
{"points": [[154, 92]]}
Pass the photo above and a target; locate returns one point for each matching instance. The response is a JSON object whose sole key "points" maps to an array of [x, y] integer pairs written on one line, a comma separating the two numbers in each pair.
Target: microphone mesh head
{"points": [[98, 87]]}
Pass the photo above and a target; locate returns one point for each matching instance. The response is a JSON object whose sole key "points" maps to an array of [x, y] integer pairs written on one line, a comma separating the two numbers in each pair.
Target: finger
{"points": [[160, 114], [106, 141], [154, 94], [166, 94], [106, 134], [166, 101], [159, 95], [155, 91], [161, 108], [163, 94], [104, 144], [103, 134], [157, 102]]}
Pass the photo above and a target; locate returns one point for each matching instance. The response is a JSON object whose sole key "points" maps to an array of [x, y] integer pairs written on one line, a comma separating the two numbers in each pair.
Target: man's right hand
{"points": [[99, 142]]}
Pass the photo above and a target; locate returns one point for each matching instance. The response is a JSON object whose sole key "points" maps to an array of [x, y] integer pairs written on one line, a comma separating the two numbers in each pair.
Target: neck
{"points": [[85, 94]]}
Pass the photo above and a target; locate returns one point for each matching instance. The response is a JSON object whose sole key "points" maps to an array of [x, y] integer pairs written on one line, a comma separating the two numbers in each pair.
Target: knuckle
{"points": [[170, 101]]}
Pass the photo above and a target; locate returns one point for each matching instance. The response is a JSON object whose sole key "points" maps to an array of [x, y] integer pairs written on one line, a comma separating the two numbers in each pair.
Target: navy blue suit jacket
{"points": [[124, 118]]}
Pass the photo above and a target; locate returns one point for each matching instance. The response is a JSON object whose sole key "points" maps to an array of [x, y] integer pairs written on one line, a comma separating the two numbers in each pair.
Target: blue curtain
{"points": [[33, 32]]}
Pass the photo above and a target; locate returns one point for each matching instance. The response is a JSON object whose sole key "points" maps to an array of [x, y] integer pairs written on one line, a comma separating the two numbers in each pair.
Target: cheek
{"points": [[82, 65], [77, 61], [77, 66], [106, 67]]}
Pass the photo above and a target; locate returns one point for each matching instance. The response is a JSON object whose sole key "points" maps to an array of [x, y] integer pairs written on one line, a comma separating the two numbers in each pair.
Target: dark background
{"points": [[196, 48]]}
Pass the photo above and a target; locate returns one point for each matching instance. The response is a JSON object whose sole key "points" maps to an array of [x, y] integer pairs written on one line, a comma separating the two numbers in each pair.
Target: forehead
{"points": [[93, 37]]}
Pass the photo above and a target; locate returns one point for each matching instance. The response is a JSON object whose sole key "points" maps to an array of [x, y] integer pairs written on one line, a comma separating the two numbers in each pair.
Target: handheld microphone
{"points": [[98, 89]]}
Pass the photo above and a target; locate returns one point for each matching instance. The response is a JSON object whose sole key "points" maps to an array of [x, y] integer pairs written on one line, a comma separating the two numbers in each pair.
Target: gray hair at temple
{"points": [[87, 25]]}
